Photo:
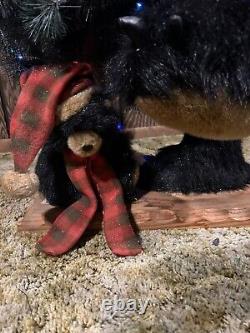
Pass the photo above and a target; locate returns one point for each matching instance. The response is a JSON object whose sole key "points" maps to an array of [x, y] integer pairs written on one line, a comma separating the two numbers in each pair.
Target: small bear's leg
{"points": [[196, 165], [54, 182]]}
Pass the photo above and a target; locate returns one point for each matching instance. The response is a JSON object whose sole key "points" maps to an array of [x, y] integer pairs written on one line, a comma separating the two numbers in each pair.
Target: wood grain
{"points": [[135, 118], [163, 211], [3, 126], [9, 90]]}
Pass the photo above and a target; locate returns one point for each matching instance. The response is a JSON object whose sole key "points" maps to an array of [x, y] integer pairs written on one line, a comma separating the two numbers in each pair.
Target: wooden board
{"points": [[3, 125], [135, 118], [9, 90], [163, 211]]}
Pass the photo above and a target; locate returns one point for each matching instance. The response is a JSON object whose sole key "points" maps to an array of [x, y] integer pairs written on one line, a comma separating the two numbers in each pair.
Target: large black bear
{"points": [[54, 33], [186, 64]]}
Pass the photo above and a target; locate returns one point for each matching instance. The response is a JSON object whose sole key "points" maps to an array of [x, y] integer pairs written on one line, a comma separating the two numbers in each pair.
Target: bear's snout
{"points": [[84, 144], [88, 148]]}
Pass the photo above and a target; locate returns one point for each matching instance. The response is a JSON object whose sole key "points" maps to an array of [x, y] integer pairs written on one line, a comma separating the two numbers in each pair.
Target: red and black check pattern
{"points": [[73, 221], [43, 89]]}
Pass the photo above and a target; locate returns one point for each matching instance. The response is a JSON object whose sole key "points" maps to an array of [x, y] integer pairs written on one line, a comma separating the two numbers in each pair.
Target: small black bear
{"points": [[186, 64], [93, 128]]}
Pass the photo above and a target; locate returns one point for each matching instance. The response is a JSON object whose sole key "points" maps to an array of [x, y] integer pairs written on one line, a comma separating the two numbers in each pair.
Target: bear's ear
{"points": [[174, 31], [175, 26], [73, 105]]}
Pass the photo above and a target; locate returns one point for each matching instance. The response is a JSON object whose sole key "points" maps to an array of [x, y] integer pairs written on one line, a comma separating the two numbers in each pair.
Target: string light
{"points": [[120, 127], [139, 6], [19, 57]]}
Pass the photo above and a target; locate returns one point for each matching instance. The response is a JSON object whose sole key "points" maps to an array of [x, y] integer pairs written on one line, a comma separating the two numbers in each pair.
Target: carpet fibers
{"points": [[194, 281]]}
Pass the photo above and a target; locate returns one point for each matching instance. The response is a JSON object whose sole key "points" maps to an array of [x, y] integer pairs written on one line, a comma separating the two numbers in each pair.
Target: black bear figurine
{"points": [[104, 122], [186, 64]]}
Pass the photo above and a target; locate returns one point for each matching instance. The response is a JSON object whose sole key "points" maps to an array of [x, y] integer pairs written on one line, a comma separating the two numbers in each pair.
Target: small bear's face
{"points": [[84, 144], [84, 126], [185, 63]]}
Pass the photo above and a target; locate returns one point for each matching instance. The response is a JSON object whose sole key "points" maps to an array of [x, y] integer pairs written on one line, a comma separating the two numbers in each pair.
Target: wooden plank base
{"points": [[163, 211]]}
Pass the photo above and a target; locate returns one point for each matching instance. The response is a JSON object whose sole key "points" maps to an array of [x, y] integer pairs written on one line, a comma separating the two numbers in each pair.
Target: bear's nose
{"points": [[87, 148], [133, 27]]}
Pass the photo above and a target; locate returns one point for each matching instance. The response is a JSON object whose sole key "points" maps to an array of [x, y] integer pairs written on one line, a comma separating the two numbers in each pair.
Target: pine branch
{"points": [[43, 19]]}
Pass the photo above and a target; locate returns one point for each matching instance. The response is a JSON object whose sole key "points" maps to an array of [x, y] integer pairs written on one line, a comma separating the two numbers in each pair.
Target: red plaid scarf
{"points": [[43, 89], [73, 221]]}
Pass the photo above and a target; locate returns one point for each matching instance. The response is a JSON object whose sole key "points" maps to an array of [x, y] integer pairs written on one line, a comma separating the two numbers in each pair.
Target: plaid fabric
{"points": [[43, 89], [118, 230], [72, 222]]}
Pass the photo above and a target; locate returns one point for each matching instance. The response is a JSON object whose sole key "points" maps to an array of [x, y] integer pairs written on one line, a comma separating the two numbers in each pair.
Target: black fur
{"points": [[197, 45], [209, 52], [6, 8], [54, 182], [196, 165]]}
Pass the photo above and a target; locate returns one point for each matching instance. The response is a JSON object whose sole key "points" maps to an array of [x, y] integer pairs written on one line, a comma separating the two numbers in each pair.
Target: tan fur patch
{"points": [[19, 185], [190, 113], [85, 144], [72, 105]]}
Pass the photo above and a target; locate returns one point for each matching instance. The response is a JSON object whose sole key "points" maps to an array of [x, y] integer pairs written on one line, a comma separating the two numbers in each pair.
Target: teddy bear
{"points": [[99, 127], [186, 64], [83, 167]]}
